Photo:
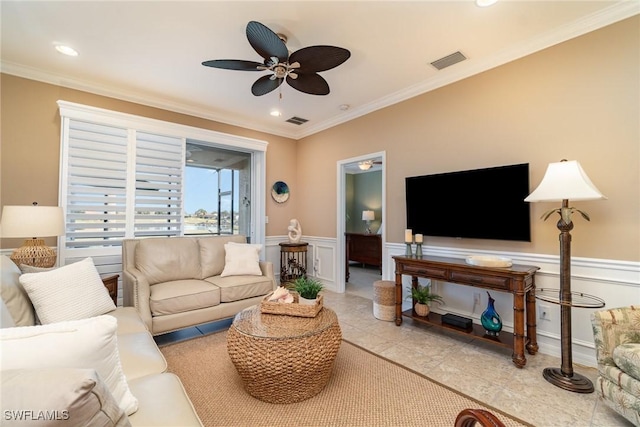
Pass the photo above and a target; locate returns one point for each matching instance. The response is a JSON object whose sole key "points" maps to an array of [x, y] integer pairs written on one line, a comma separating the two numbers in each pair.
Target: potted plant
{"points": [[307, 289], [422, 296]]}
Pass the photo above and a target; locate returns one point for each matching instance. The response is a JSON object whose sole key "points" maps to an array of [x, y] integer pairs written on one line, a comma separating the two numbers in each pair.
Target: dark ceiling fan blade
{"points": [[313, 59], [264, 85], [312, 84], [234, 64], [266, 42]]}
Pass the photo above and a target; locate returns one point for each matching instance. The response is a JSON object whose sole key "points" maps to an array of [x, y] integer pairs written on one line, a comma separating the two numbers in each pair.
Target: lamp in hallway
{"points": [[367, 217], [562, 181], [34, 220]]}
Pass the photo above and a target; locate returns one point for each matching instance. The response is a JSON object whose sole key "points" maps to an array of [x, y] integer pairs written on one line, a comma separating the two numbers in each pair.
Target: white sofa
{"points": [[74, 394], [178, 282]]}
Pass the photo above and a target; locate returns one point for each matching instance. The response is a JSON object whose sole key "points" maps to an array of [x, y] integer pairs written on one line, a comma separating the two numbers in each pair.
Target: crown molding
{"points": [[617, 12]]}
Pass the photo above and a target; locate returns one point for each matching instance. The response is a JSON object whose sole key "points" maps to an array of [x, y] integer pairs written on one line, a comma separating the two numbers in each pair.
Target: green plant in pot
{"points": [[308, 289], [422, 296]]}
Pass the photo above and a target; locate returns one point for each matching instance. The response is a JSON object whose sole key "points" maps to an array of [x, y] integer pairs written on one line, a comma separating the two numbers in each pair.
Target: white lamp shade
{"points": [[563, 181], [368, 216], [32, 221]]}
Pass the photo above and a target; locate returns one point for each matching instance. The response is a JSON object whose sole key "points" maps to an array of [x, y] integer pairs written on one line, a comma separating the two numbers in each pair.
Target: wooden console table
{"points": [[364, 248], [517, 279]]}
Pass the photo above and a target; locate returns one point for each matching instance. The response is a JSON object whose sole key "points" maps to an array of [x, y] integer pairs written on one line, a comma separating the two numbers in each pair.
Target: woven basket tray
{"points": [[292, 309]]}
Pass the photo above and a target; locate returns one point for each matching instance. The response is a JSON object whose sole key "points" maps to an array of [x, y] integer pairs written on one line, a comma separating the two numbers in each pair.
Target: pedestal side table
{"points": [[283, 359]]}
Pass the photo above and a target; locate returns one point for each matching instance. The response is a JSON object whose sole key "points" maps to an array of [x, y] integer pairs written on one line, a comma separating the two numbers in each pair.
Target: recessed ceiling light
{"points": [[275, 113], [66, 50], [485, 3], [344, 107]]}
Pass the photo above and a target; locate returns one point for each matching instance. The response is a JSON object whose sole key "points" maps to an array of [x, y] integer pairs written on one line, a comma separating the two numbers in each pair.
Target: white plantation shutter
{"points": [[96, 178], [158, 194], [121, 176]]}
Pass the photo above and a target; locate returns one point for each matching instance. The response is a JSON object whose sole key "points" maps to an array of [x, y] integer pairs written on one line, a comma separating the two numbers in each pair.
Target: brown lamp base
{"points": [[34, 253], [576, 383]]}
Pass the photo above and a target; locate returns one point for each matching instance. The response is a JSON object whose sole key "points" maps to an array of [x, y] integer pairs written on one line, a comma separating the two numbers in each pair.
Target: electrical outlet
{"points": [[545, 312]]}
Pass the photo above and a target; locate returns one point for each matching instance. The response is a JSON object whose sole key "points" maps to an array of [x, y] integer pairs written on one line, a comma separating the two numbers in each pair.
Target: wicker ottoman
{"points": [[384, 300], [284, 359]]}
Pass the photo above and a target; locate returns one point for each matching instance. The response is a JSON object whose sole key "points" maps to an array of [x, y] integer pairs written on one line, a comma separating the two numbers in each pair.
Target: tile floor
{"points": [[477, 369]]}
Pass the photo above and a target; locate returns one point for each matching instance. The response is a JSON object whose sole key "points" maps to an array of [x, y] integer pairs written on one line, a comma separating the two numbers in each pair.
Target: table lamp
{"points": [[563, 181], [367, 217], [34, 220]]}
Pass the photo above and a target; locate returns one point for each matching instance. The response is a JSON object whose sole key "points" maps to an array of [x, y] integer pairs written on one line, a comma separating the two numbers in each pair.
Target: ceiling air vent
{"points": [[449, 60], [297, 120]]}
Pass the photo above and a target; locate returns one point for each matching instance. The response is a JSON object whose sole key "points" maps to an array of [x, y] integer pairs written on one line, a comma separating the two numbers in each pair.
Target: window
{"points": [[123, 176], [217, 190]]}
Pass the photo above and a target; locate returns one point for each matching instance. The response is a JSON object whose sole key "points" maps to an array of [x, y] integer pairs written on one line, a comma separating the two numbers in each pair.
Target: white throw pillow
{"points": [[72, 292], [241, 259], [87, 343]]}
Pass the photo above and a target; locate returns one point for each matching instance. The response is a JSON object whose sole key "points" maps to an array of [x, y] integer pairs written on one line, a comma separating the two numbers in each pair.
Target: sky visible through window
{"points": [[201, 190]]}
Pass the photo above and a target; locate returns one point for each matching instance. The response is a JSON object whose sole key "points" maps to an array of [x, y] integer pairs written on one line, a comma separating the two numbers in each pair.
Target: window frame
{"points": [[257, 148]]}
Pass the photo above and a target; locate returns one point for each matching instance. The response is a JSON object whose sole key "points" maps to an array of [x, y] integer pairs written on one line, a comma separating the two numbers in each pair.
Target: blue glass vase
{"points": [[491, 319]]}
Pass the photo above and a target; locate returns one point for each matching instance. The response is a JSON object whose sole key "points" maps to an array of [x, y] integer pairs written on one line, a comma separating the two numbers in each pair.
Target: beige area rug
{"points": [[364, 390]]}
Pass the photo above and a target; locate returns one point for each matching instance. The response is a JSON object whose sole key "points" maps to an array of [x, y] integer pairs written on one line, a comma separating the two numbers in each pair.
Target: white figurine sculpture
{"points": [[295, 231]]}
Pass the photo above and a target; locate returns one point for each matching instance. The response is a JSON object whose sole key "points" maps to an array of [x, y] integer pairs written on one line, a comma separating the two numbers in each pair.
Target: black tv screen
{"points": [[481, 204]]}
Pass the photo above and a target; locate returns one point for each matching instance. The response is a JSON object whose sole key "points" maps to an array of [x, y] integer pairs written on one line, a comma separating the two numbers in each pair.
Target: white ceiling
{"points": [[151, 51]]}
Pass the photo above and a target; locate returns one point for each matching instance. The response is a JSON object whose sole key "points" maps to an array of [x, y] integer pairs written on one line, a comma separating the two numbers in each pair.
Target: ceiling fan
{"points": [[367, 164], [300, 69]]}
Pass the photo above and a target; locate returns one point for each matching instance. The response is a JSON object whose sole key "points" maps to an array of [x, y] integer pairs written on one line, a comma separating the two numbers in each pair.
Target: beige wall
{"points": [[578, 100], [30, 146]]}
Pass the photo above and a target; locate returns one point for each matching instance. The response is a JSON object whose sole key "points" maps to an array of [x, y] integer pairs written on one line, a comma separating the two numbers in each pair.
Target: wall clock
{"points": [[280, 192]]}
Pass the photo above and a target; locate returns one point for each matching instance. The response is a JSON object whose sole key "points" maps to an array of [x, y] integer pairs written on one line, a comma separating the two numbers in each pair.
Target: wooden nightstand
{"points": [[111, 283]]}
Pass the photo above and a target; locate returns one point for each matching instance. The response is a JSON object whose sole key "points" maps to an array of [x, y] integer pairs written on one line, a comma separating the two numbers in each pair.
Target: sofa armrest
{"points": [[137, 293], [267, 270], [612, 328]]}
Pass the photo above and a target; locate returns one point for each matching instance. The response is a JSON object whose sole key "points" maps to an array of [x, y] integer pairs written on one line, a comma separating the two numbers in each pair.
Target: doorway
{"points": [[361, 196]]}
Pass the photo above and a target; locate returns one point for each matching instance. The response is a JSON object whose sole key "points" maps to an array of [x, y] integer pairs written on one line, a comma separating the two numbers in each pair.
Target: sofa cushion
{"points": [[157, 393], [236, 288], [212, 253], [87, 343], [80, 398], [182, 295], [14, 295], [129, 321], [140, 355], [32, 269], [241, 259], [164, 260], [6, 321], [72, 292], [627, 358]]}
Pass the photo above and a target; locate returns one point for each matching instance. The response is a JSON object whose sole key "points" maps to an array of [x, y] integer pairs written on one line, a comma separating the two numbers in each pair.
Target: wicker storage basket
{"points": [[292, 309]]}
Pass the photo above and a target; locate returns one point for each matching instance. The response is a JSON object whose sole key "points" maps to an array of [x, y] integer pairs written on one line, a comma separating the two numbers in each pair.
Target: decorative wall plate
{"points": [[280, 192]]}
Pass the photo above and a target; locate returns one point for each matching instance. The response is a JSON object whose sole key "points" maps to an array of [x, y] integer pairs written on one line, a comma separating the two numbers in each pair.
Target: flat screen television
{"points": [[480, 204]]}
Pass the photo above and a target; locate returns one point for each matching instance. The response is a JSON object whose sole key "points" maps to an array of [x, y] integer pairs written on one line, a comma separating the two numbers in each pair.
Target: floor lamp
{"points": [[563, 181], [38, 221]]}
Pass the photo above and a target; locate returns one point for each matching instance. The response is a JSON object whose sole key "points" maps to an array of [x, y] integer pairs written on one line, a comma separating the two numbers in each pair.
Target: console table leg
{"points": [[398, 299], [518, 327], [532, 340]]}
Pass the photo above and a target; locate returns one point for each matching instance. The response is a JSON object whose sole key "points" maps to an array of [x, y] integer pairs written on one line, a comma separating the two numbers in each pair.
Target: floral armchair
{"points": [[616, 334]]}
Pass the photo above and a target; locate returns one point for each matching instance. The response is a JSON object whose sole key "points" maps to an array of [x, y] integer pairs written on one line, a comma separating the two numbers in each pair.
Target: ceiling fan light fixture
{"points": [[365, 166], [66, 50], [485, 3]]}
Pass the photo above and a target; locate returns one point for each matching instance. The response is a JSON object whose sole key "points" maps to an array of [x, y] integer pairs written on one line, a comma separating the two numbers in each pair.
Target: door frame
{"points": [[341, 213]]}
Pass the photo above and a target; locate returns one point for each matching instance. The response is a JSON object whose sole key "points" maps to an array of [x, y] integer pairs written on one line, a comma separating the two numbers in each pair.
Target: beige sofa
{"points": [[177, 282], [72, 394]]}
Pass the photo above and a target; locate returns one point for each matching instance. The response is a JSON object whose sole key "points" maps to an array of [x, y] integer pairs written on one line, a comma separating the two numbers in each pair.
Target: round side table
{"points": [[284, 359]]}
